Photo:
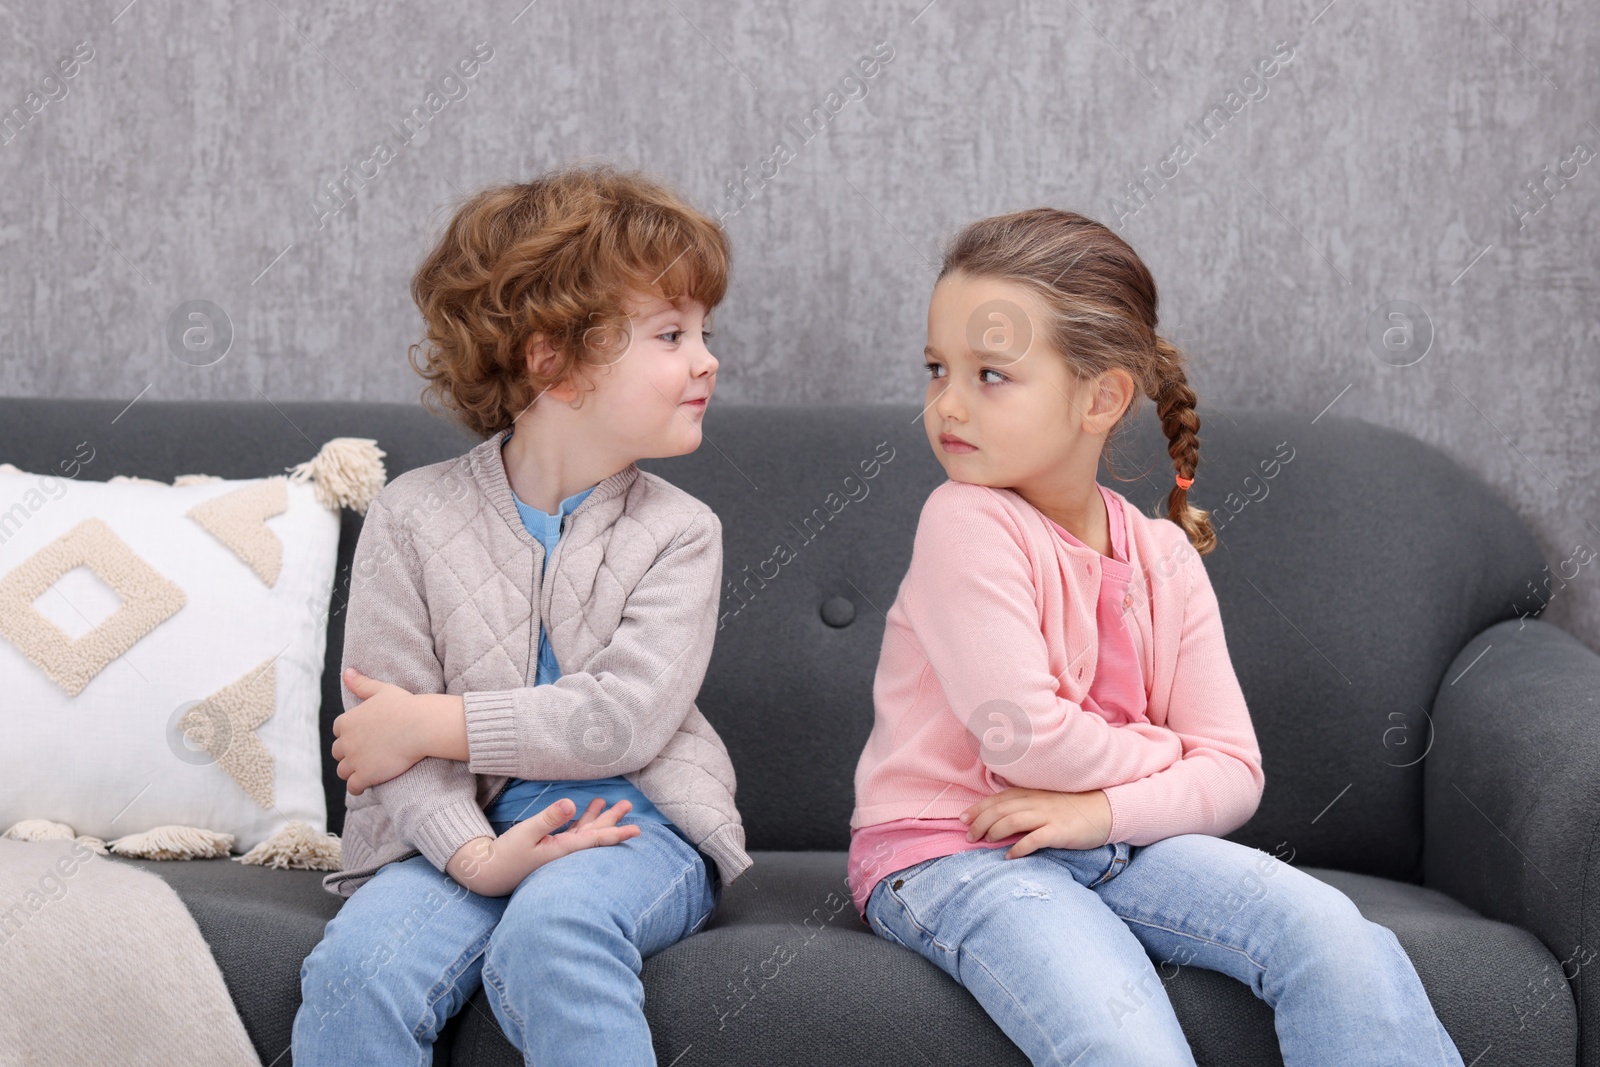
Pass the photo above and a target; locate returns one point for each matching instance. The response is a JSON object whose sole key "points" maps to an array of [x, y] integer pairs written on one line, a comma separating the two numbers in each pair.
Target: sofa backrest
{"points": [[1354, 563]]}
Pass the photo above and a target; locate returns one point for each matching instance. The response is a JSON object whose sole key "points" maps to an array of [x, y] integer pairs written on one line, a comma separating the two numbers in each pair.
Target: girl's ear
{"points": [[1109, 399]]}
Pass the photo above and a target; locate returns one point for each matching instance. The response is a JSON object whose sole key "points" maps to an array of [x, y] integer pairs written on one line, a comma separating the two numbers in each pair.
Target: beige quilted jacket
{"points": [[442, 601]]}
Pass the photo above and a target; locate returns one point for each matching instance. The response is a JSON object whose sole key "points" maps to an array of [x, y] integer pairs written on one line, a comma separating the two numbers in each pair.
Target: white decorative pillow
{"points": [[161, 649]]}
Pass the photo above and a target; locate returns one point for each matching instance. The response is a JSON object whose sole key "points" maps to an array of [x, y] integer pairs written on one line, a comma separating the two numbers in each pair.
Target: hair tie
{"points": [[1184, 483]]}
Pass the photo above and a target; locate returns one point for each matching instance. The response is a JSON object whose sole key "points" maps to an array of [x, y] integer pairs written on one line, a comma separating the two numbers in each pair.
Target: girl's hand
{"points": [[375, 740], [494, 866], [1049, 819]]}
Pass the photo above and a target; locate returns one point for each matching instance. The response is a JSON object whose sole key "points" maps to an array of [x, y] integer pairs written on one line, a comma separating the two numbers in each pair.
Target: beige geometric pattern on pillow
{"points": [[223, 722], [238, 520], [148, 599]]}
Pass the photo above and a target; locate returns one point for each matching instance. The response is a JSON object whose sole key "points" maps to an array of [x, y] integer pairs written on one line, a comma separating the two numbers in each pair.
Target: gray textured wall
{"points": [[1394, 156]]}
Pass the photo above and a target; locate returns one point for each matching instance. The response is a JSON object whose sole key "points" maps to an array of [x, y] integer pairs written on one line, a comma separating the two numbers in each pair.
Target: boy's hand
{"points": [[1049, 819], [377, 739], [494, 866]]}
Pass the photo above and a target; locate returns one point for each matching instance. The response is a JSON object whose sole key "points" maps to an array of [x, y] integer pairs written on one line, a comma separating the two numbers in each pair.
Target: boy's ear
{"points": [[542, 361]]}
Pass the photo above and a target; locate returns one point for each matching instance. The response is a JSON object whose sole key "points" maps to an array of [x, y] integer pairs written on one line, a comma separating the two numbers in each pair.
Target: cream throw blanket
{"points": [[100, 963]]}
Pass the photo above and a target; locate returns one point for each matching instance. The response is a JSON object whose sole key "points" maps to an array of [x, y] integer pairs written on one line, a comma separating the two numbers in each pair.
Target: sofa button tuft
{"points": [[838, 611]]}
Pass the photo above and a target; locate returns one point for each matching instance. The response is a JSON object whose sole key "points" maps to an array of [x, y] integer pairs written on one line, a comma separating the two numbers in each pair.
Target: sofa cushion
{"points": [[786, 972]]}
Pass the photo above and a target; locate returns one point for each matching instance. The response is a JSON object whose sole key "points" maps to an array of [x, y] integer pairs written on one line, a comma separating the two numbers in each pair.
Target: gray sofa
{"points": [[1427, 751]]}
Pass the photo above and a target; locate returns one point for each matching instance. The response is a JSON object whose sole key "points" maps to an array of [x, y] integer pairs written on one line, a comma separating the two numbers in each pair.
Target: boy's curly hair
{"points": [[557, 257], [1102, 302]]}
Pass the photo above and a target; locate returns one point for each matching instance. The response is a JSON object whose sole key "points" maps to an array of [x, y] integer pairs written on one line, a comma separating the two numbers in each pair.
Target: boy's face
{"points": [[651, 395]]}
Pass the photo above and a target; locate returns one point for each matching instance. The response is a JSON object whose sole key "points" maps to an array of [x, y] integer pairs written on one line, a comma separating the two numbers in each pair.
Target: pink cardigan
{"points": [[997, 616], [1116, 694]]}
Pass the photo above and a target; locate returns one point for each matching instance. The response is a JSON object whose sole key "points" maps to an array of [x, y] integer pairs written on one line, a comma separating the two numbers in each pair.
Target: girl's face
{"points": [[1002, 408], [652, 395]]}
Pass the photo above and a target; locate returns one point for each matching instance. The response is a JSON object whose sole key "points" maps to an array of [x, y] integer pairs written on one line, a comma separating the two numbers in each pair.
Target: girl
{"points": [[1060, 741], [490, 695]]}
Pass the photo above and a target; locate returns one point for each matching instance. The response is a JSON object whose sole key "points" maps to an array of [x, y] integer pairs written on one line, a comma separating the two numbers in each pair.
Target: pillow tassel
{"points": [[347, 472], [298, 847], [94, 844], [40, 830], [49, 830], [173, 843]]}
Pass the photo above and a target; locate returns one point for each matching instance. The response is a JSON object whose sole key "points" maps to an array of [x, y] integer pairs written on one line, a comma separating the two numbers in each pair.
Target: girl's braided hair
{"points": [[1102, 302]]}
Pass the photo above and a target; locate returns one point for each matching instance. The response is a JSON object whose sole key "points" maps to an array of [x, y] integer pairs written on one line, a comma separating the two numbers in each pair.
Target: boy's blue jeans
{"points": [[1062, 948], [559, 957]]}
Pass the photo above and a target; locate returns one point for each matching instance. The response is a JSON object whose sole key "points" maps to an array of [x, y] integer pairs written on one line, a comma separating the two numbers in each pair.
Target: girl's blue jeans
{"points": [[560, 956], [1067, 949]]}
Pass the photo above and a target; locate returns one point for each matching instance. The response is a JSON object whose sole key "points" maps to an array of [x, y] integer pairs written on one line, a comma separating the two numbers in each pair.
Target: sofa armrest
{"points": [[1512, 799]]}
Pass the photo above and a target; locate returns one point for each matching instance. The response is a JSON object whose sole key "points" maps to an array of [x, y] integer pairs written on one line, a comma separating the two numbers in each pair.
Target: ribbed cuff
{"points": [[446, 830], [491, 732], [726, 846], [1126, 804]]}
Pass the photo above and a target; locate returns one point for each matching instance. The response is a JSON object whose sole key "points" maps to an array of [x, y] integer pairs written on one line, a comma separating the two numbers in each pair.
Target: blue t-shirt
{"points": [[524, 797]]}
